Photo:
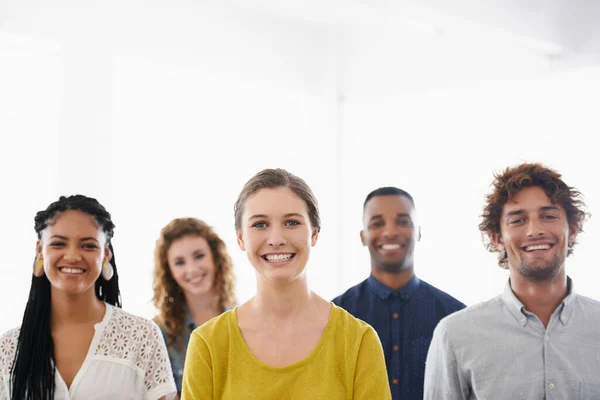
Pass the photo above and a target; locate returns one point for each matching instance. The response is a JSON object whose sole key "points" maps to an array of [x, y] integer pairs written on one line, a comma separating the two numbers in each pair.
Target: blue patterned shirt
{"points": [[404, 320]]}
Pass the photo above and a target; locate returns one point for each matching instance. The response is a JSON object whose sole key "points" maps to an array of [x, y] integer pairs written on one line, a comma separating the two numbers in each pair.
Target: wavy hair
{"points": [[168, 296]]}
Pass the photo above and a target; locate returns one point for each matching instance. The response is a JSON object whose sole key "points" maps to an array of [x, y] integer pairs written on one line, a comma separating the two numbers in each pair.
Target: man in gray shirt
{"points": [[538, 339]]}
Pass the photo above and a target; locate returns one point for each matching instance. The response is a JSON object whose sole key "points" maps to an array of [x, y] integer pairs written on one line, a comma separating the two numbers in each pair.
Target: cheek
{"points": [[177, 274]]}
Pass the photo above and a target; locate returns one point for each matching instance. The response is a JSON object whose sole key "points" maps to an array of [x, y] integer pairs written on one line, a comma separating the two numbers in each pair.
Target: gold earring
{"points": [[107, 270], [38, 267]]}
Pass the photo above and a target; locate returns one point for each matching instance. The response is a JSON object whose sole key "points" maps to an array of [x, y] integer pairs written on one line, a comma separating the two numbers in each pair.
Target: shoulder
{"points": [[217, 328], [588, 307], [449, 302], [126, 322], [130, 337], [8, 349], [588, 303], [345, 323], [487, 313], [350, 294]]}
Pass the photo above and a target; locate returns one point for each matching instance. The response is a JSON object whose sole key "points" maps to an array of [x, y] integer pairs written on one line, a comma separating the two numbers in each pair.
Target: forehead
{"points": [[528, 200], [389, 204], [73, 223], [274, 201], [187, 244]]}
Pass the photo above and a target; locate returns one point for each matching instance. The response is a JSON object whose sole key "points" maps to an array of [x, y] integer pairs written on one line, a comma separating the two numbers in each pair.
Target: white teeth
{"points": [[392, 246], [538, 247], [72, 270], [278, 257]]}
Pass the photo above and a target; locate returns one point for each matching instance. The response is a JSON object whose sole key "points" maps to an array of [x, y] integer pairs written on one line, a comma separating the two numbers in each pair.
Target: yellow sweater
{"points": [[347, 363]]}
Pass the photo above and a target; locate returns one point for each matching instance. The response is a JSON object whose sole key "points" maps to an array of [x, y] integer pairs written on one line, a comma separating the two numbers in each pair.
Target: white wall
{"points": [[167, 114]]}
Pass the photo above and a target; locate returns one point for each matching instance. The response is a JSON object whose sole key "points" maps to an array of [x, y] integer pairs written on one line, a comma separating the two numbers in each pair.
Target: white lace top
{"points": [[127, 359]]}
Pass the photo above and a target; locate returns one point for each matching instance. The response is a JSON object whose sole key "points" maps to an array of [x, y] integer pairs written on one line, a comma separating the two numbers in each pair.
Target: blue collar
{"points": [[383, 292]]}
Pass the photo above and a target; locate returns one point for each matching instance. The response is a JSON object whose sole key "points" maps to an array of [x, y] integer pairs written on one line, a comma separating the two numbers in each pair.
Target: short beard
{"points": [[391, 268], [544, 274]]}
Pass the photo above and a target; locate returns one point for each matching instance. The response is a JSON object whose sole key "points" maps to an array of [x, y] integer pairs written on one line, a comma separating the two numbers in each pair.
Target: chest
{"points": [[71, 346], [280, 349]]}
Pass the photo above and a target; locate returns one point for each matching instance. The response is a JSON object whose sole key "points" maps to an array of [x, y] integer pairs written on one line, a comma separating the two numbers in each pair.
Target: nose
{"points": [[190, 269], [276, 237], [390, 231], [534, 228], [72, 254]]}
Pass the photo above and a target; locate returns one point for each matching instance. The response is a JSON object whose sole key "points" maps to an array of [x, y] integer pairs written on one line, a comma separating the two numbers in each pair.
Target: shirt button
{"points": [[395, 347], [551, 386], [547, 338], [396, 316], [394, 381], [563, 318]]}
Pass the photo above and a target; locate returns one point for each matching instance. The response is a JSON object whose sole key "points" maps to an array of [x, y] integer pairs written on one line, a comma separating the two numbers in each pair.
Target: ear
{"points": [[362, 238], [498, 242], [107, 254], [240, 240], [38, 248], [573, 231], [314, 236]]}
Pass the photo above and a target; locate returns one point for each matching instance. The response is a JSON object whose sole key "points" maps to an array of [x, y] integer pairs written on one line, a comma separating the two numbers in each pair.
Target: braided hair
{"points": [[33, 373]]}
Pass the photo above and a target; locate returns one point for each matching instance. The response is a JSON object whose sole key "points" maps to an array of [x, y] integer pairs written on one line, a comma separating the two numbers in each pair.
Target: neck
{"points": [[283, 301], [203, 306], [393, 280], [75, 308], [540, 298]]}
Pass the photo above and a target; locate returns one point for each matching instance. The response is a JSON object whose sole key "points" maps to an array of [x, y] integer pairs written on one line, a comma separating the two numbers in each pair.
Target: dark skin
{"points": [[390, 232]]}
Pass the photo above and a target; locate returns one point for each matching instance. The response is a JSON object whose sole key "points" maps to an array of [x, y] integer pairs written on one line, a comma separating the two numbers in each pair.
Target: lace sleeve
{"points": [[8, 348], [159, 379]]}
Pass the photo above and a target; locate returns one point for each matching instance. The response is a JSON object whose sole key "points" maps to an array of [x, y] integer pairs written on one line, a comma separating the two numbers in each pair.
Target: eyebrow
{"points": [[379, 216], [521, 212], [66, 238], [288, 215]]}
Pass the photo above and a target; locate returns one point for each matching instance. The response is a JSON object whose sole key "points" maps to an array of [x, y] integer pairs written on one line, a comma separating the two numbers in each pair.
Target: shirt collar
{"points": [[383, 292], [516, 308]]}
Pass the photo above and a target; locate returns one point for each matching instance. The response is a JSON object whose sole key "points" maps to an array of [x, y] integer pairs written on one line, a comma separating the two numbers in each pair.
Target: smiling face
{"points": [[276, 234], [191, 264], [73, 248], [535, 235], [390, 232]]}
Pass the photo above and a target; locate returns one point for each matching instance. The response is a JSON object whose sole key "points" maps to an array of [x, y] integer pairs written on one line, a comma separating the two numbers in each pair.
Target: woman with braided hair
{"points": [[75, 342]]}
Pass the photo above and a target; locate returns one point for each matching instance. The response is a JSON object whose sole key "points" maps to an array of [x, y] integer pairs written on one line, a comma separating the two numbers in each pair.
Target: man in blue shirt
{"points": [[403, 309]]}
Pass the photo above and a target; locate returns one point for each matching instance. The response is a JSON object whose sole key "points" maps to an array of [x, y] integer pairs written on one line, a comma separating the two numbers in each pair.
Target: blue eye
{"points": [[292, 223], [259, 225]]}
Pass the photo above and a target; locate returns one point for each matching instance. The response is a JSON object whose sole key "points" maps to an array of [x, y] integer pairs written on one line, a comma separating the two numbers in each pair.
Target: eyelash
{"points": [[292, 221], [60, 244]]}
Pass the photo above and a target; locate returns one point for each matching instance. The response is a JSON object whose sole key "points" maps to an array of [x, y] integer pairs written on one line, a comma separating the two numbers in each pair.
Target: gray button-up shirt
{"points": [[499, 350]]}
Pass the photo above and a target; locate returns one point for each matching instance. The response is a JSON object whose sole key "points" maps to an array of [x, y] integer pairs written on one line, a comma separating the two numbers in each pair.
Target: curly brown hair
{"points": [[508, 183], [168, 296]]}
